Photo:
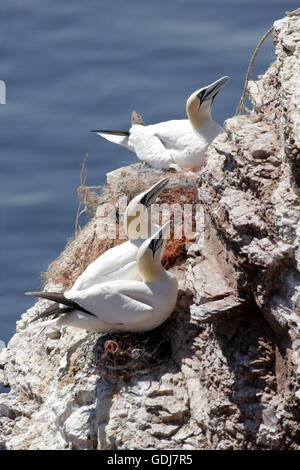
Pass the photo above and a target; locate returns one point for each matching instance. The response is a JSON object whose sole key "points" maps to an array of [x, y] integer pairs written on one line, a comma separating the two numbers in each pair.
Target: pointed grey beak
{"points": [[211, 90], [151, 194], [157, 239]]}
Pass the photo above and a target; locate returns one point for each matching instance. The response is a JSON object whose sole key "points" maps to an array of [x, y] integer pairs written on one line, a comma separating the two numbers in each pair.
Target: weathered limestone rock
{"points": [[231, 380]]}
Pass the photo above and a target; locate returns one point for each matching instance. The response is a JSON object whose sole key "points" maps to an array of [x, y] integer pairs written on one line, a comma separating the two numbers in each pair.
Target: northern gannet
{"points": [[119, 262], [177, 143], [118, 306]]}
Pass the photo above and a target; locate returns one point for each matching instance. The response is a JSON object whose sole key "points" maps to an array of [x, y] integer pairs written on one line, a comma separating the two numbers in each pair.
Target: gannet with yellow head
{"points": [[119, 262], [117, 306], [177, 143]]}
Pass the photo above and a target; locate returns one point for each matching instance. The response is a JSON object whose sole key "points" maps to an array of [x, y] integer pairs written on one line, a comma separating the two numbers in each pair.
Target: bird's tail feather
{"points": [[59, 298], [116, 137]]}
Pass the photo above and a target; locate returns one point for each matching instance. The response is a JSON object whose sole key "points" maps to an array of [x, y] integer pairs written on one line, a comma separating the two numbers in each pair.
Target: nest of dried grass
{"points": [[175, 249], [78, 254]]}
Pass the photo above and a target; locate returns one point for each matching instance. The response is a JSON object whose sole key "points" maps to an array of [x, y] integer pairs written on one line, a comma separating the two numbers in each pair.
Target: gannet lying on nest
{"points": [[116, 306], [177, 143]]}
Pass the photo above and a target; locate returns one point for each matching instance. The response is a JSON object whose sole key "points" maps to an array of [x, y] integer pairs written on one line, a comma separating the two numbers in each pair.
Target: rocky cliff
{"points": [[223, 372]]}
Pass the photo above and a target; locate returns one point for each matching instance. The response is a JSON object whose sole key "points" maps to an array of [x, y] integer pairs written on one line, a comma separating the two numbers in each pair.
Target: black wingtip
{"points": [[111, 131], [52, 310], [59, 298]]}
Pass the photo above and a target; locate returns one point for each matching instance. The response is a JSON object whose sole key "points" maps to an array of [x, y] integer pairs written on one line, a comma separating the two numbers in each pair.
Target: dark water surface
{"points": [[72, 66]]}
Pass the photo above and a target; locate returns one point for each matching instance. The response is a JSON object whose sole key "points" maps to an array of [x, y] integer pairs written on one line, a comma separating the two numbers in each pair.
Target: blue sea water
{"points": [[71, 66]]}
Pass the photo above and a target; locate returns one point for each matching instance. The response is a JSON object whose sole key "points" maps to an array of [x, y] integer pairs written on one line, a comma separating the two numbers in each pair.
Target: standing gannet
{"points": [[177, 143], [121, 305], [119, 262]]}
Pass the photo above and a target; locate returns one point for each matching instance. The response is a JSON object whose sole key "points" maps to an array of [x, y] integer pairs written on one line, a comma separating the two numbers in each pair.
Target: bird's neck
{"points": [[138, 226], [151, 272], [199, 120]]}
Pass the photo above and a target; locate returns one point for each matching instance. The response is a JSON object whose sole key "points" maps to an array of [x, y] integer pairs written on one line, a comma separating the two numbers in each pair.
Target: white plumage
{"points": [[122, 305], [176, 143]]}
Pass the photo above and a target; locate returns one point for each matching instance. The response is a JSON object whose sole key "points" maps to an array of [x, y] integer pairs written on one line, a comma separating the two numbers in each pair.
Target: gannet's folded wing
{"points": [[119, 302], [149, 148]]}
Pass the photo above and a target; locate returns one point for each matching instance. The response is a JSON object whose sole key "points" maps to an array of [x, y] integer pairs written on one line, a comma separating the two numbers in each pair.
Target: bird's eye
{"points": [[144, 200], [201, 94], [152, 246]]}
